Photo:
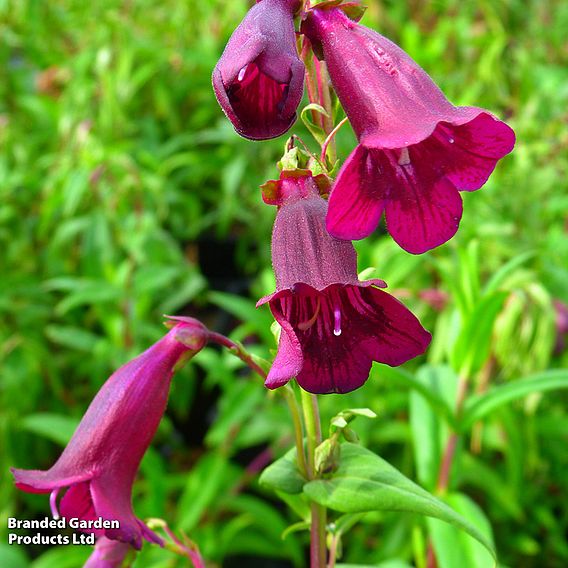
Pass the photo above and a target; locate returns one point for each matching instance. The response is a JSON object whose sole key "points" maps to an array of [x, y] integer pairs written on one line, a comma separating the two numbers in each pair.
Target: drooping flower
{"points": [[333, 325], [416, 150], [259, 79], [99, 464], [107, 554]]}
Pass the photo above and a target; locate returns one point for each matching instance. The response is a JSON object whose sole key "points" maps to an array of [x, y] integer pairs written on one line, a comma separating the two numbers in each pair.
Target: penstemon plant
{"points": [[415, 153]]}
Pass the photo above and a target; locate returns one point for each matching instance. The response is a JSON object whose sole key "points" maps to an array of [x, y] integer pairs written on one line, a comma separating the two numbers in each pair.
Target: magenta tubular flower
{"points": [[259, 79], [99, 464], [108, 554], [333, 325], [416, 150]]}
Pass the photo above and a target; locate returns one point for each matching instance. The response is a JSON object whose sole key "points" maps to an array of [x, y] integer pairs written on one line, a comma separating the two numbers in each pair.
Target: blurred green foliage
{"points": [[125, 194]]}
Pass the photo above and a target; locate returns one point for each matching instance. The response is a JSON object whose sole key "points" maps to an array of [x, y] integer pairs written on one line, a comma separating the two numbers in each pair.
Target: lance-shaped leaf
{"points": [[365, 482]]}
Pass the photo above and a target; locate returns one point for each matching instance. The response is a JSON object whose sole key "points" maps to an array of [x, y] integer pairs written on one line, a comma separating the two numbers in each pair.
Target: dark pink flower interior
{"points": [[342, 330], [257, 99]]}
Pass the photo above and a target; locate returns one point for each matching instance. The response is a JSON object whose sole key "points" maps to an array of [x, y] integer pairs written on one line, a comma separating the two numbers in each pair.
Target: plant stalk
{"points": [[318, 549]]}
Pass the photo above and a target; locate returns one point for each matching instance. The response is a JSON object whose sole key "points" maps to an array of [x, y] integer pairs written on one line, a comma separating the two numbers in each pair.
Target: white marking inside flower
{"points": [[404, 159], [337, 318], [53, 504]]}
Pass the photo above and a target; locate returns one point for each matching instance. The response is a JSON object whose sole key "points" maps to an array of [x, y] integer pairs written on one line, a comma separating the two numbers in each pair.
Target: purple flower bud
{"points": [[259, 79], [333, 325], [416, 150], [107, 554], [99, 464]]}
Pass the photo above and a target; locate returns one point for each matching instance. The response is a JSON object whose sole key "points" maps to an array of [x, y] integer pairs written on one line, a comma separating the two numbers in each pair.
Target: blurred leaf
{"points": [[453, 548], [283, 475], [479, 406], [55, 427], [12, 557], [203, 484], [431, 396], [237, 407], [428, 432], [72, 337], [245, 310], [509, 267], [63, 557], [471, 349]]}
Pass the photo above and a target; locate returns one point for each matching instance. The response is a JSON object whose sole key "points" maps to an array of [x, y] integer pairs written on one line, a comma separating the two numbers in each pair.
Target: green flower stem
{"points": [[318, 512], [298, 429], [326, 103]]}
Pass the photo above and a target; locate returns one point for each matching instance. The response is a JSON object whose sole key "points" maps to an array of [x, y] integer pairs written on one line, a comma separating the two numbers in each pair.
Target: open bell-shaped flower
{"points": [[99, 464], [416, 150], [333, 325], [259, 79]]}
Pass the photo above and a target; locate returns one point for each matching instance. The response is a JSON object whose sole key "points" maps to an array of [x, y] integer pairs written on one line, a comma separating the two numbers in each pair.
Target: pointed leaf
{"points": [[283, 475], [479, 406], [365, 482]]}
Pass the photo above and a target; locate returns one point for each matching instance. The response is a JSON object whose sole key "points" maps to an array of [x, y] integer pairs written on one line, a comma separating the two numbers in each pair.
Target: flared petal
{"points": [[424, 213], [112, 503], [357, 200], [289, 359], [470, 152], [107, 554], [342, 330], [78, 503], [39, 481]]}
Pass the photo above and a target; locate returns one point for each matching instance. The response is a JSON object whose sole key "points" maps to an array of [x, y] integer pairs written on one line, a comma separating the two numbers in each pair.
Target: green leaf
{"points": [[205, 482], [54, 427], [63, 557], [315, 130], [406, 379], [479, 406], [453, 548], [387, 564], [296, 527], [428, 431], [72, 337], [472, 346], [283, 474], [500, 276], [245, 310], [365, 482], [237, 406], [12, 557]]}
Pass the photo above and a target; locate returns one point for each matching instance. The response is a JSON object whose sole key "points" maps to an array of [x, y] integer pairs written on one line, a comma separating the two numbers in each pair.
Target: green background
{"points": [[125, 194]]}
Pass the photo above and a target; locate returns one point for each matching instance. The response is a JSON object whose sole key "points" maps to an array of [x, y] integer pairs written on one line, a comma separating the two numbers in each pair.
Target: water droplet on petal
{"points": [[242, 72]]}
